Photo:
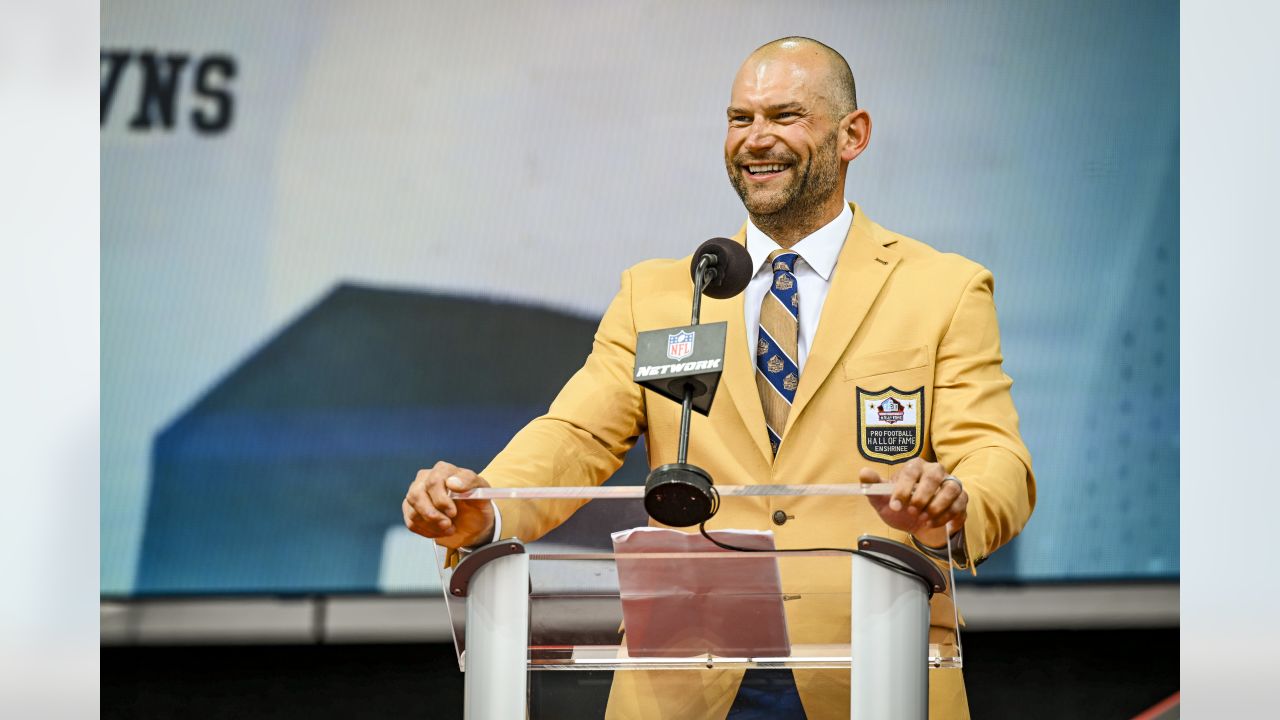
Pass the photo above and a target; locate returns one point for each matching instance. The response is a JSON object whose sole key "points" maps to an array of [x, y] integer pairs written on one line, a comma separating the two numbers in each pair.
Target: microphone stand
{"points": [[680, 494], [702, 275]]}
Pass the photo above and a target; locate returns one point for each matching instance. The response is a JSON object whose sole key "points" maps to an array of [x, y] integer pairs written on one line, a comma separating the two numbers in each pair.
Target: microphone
{"points": [[729, 266], [680, 494]]}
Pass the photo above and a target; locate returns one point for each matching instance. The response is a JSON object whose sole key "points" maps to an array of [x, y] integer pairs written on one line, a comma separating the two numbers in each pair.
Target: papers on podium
{"points": [[685, 607]]}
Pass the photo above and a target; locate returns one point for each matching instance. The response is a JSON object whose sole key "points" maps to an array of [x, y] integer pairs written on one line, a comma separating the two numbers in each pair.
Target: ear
{"points": [[855, 134]]}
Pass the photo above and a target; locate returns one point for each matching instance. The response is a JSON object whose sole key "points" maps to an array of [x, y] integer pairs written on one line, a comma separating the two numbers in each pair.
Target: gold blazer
{"points": [[900, 319]]}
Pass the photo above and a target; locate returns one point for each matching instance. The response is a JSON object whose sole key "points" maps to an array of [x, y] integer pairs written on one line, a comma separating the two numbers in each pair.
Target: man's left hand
{"points": [[924, 500]]}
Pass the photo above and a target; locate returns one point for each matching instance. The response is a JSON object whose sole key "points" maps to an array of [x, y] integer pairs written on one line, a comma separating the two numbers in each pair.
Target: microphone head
{"points": [[680, 495], [732, 264]]}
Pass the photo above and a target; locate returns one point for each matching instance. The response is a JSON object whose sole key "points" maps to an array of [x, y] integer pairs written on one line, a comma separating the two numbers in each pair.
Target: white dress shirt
{"points": [[818, 254]]}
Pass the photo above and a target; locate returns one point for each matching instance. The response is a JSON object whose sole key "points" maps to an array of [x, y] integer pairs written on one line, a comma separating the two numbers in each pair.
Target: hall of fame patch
{"points": [[890, 424]]}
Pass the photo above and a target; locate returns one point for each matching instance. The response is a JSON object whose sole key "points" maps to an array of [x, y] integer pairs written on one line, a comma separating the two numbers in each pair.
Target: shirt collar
{"points": [[819, 250]]}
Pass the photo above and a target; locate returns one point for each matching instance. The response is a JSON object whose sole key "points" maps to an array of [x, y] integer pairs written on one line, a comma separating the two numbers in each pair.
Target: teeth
{"points": [[762, 169]]}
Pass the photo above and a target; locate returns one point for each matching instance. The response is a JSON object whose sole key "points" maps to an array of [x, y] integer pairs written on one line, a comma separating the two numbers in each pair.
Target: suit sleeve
{"points": [[975, 426], [588, 430]]}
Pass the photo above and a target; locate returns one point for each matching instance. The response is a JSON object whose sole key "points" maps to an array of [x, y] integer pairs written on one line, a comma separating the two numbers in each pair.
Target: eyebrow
{"points": [[770, 109]]}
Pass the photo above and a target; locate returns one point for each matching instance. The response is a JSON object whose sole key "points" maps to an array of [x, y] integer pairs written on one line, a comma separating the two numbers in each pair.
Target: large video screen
{"points": [[341, 241]]}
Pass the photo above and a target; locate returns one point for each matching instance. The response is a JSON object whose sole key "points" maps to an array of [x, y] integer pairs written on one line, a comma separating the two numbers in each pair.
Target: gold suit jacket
{"points": [[899, 315]]}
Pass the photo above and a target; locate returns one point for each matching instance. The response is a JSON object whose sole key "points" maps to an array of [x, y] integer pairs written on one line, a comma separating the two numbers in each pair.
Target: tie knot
{"points": [[783, 260]]}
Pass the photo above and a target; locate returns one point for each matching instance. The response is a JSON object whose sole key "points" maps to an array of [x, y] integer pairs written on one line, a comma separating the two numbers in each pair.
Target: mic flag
{"points": [[669, 359]]}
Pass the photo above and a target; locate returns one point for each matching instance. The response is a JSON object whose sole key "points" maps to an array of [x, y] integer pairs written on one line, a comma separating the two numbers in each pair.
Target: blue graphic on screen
{"points": [[288, 473]]}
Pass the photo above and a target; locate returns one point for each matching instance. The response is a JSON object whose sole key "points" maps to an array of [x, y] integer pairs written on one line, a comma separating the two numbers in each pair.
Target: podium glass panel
{"points": [[609, 593]]}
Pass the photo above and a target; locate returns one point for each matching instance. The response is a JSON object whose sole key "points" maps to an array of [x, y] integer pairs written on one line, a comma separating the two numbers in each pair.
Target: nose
{"points": [[759, 136]]}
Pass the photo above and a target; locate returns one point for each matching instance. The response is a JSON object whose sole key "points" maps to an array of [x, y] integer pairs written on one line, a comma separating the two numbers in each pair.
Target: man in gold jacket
{"points": [[881, 317]]}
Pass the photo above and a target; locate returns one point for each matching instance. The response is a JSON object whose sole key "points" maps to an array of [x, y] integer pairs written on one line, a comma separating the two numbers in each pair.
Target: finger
{"points": [[410, 517], [954, 516], [462, 480], [869, 476], [904, 480], [416, 487], [420, 500], [931, 476], [426, 526], [465, 480], [939, 508], [439, 496], [417, 494], [440, 472]]}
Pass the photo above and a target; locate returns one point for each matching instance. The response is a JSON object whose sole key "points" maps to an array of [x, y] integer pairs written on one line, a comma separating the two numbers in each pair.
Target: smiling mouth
{"points": [[765, 169]]}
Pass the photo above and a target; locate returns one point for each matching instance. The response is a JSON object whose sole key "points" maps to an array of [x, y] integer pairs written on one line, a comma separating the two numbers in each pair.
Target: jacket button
{"points": [[779, 517]]}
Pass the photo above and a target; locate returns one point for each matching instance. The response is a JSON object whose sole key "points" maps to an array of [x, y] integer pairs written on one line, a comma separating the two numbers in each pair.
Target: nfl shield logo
{"points": [[680, 345]]}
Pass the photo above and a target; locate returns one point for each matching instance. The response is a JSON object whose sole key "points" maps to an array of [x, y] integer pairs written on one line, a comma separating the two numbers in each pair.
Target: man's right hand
{"points": [[430, 512]]}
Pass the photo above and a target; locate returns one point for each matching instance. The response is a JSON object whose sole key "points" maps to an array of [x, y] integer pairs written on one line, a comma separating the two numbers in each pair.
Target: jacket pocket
{"points": [[886, 362]]}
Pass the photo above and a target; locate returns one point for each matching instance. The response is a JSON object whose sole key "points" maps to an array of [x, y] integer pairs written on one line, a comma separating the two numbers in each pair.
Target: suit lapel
{"points": [[738, 377], [861, 271]]}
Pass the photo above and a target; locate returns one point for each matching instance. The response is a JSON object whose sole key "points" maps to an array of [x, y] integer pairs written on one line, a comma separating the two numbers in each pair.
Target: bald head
{"points": [[833, 80], [793, 128]]}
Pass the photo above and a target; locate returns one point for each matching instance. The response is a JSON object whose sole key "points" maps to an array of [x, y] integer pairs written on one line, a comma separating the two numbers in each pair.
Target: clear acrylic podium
{"points": [[591, 597]]}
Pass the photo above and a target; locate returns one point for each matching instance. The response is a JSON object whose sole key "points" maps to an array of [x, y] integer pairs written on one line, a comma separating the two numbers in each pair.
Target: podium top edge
{"points": [[636, 492]]}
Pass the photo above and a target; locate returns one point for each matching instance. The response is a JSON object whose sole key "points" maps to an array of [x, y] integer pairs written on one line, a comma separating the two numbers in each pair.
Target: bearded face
{"points": [[780, 179]]}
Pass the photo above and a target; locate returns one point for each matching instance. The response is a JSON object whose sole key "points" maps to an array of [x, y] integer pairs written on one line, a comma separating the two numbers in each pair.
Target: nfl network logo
{"points": [[680, 345]]}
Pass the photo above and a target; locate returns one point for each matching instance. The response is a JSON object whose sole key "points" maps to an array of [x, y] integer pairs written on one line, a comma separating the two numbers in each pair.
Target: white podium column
{"points": [[497, 640], [889, 623]]}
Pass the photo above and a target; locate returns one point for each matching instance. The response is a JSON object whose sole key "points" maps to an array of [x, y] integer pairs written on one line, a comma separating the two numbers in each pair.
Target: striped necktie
{"points": [[777, 351]]}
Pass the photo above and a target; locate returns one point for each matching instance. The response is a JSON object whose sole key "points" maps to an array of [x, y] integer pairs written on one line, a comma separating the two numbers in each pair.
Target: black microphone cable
{"points": [[928, 586]]}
